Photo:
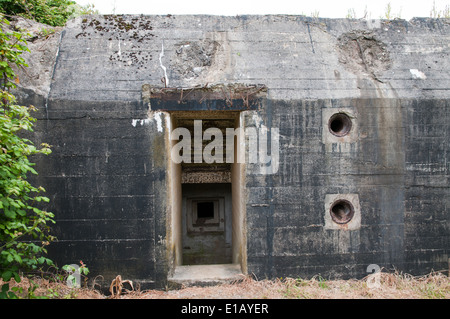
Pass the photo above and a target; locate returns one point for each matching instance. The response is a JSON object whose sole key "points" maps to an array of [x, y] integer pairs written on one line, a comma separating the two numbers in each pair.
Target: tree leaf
{"points": [[10, 213], [6, 276], [16, 277]]}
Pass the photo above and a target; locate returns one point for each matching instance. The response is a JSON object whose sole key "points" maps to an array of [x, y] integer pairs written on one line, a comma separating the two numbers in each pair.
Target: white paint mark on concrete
{"points": [[162, 66], [417, 74], [158, 121], [168, 124], [141, 122], [157, 116], [426, 167]]}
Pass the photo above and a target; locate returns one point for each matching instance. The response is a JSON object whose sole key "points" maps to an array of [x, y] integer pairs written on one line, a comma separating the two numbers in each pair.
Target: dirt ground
{"points": [[376, 286]]}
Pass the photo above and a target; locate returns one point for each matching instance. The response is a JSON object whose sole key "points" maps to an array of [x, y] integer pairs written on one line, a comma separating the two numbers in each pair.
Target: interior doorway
{"points": [[207, 215]]}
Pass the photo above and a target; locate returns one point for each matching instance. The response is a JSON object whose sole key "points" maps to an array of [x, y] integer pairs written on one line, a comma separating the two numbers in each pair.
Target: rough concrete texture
{"points": [[107, 177], [42, 41], [296, 57]]}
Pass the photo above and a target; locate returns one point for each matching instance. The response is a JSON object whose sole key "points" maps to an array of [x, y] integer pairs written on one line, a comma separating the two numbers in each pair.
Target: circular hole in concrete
{"points": [[340, 124], [342, 211]]}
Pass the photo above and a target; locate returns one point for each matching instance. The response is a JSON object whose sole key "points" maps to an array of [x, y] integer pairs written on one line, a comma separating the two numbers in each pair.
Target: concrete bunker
{"points": [[118, 197]]}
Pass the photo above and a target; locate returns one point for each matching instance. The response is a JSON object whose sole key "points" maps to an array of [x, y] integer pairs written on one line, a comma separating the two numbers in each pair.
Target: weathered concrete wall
{"points": [[107, 176]]}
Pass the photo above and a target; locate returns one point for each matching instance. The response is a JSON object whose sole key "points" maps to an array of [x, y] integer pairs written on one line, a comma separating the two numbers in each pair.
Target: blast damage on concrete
{"points": [[361, 52]]}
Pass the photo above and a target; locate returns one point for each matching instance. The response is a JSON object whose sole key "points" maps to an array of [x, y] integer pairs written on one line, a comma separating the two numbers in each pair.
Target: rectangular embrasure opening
{"points": [[205, 211]]}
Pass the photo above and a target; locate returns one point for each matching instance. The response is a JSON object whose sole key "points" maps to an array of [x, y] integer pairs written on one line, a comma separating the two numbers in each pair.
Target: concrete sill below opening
{"points": [[206, 275]]}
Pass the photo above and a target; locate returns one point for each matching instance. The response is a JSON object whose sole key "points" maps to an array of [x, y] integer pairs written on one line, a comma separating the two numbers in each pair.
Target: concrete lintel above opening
{"points": [[229, 97]]}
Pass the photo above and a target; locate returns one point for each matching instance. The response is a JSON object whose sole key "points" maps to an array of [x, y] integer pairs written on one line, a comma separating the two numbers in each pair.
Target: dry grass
{"points": [[385, 286]]}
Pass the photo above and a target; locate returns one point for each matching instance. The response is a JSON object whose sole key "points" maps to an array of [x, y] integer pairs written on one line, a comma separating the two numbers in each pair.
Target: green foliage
{"points": [[389, 14], [351, 14], [438, 13], [51, 12], [12, 44], [23, 224], [74, 274], [79, 10]]}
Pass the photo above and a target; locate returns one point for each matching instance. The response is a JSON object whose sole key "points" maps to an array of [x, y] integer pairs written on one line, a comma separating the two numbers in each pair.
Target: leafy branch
{"points": [[24, 230]]}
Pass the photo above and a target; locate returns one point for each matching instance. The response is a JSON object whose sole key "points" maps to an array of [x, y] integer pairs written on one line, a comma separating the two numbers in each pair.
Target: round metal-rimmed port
{"points": [[340, 124], [342, 211]]}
